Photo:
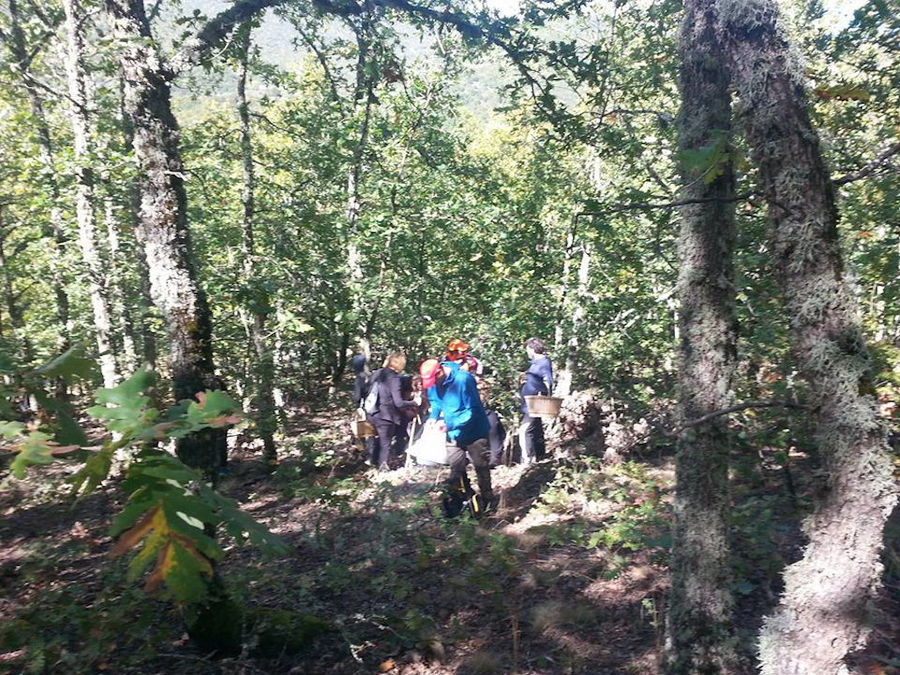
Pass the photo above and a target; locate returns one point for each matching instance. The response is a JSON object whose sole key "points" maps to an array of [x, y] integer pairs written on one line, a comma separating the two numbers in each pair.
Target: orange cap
{"points": [[457, 346]]}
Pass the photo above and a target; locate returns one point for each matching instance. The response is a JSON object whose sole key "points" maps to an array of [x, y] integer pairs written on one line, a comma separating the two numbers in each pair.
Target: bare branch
{"points": [[640, 206], [869, 168], [194, 50], [323, 61], [737, 408]]}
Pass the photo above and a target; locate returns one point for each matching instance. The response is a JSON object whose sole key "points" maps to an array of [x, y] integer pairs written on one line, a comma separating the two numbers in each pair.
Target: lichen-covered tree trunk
{"points": [[162, 227], [145, 299], [700, 634], [84, 192], [119, 305], [821, 617], [264, 368]]}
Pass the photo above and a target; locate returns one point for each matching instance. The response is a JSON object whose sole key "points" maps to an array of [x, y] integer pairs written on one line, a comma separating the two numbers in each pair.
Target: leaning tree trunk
{"points": [[163, 229], [822, 615], [700, 636], [84, 193], [263, 400]]}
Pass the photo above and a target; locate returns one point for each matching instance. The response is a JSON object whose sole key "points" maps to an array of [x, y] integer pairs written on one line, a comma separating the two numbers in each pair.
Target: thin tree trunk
{"points": [[118, 302], [16, 316], [567, 375], [84, 192], [700, 636], [163, 229], [55, 232], [264, 401], [822, 615]]}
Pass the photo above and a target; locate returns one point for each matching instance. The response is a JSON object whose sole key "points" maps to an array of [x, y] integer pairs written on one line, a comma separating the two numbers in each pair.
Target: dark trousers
{"points": [[531, 439], [390, 441], [479, 453]]}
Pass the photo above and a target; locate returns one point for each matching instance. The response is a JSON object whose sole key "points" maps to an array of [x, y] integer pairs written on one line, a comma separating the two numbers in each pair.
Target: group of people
{"points": [[449, 393]]}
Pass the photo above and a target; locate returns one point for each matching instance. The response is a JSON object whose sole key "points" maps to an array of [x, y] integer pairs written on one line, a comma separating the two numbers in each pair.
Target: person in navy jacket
{"points": [[456, 407], [538, 380], [389, 418]]}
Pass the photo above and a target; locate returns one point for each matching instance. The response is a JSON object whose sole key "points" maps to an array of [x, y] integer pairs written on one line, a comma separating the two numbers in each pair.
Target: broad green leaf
{"points": [[70, 364], [94, 472], [11, 430], [36, 449]]}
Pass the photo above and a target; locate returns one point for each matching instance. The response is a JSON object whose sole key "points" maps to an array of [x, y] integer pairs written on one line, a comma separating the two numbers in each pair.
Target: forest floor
{"points": [[567, 576]]}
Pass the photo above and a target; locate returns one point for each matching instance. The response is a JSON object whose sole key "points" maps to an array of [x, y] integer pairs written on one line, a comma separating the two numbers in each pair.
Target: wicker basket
{"points": [[362, 428], [543, 406]]}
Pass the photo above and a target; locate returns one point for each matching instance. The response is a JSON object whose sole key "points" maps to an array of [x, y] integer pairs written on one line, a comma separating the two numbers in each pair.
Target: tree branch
{"points": [[737, 408], [638, 206], [323, 61], [869, 168], [194, 50]]}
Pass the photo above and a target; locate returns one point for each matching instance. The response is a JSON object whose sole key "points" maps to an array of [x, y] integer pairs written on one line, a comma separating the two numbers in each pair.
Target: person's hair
{"points": [[536, 345], [395, 361]]}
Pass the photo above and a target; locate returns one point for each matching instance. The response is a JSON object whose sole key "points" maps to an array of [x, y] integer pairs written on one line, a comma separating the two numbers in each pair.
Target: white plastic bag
{"points": [[431, 447]]}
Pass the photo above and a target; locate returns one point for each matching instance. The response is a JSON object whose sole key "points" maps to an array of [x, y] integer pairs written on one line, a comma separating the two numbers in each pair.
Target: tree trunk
{"points": [[264, 401], [822, 615], [54, 233], [16, 317], [145, 305], [700, 636], [118, 302], [162, 228], [567, 374], [84, 192]]}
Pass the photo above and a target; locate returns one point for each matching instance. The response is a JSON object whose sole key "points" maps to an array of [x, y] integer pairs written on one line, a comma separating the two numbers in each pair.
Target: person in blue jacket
{"points": [[538, 380], [456, 407]]}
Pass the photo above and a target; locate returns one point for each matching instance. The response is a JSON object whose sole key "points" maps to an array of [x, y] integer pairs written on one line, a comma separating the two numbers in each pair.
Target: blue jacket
{"points": [[538, 379], [457, 400]]}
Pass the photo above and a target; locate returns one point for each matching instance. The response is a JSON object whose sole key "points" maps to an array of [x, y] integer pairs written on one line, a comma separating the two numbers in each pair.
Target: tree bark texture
{"points": [[84, 192], [162, 227], [822, 613], [264, 371], [55, 232], [128, 360], [700, 637], [145, 306], [16, 316]]}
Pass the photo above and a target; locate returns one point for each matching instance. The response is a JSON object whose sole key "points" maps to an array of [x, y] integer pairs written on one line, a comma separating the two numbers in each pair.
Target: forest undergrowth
{"points": [[568, 576]]}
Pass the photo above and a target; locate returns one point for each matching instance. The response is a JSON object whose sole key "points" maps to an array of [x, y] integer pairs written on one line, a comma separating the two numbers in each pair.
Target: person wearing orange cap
{"points": [[456, 407], [458, 352]]}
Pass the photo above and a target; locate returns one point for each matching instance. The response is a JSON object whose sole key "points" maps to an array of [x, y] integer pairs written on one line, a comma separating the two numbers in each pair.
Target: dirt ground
{"points": [[567, 576]]}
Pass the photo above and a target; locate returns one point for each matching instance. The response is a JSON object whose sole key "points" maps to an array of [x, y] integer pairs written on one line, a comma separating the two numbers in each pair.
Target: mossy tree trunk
{"points": [[84, 192], [162, 227], [821, 617], [700, 636]]}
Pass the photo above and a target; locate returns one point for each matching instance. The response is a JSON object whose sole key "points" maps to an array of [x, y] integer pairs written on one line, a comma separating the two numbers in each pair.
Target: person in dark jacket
{"points": [[496, 432], [538, 380], [389, 417], [361, 380], [456, 407]]}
